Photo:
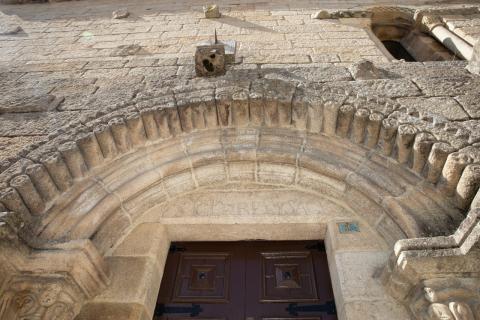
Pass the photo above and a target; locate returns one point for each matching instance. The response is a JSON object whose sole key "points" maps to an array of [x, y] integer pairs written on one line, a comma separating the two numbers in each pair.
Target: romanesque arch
{"points": [[403, 173]]}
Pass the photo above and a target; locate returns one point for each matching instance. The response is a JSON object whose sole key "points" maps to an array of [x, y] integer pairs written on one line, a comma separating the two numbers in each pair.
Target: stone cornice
{"points": [[458, 243]]}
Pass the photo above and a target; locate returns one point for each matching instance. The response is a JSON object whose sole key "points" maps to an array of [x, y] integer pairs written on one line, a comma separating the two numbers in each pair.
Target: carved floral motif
{"points": [[38, 301]]}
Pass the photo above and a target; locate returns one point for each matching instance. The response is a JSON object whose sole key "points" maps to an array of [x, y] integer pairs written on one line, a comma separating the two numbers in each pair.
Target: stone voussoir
{"points": [[367, 122]]}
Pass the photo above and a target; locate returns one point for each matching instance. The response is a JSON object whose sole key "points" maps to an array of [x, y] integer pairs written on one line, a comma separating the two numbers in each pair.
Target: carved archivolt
{"points": [[433, 149], [65, 188]]}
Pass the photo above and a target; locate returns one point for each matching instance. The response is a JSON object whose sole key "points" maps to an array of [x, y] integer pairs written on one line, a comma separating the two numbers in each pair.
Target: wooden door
{"points": [[246, 281]]}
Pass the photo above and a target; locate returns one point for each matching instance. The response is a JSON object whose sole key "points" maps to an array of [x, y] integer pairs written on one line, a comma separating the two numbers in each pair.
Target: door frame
{"points": [[354, 259], [243, 266]]}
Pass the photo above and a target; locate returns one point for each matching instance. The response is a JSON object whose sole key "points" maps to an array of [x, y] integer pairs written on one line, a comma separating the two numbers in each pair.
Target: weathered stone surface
{"points": [[453, 299], [249, 203], [445, 107], [375, 310], [447, 86], [34, 123], [46, 300], [322, 14], [127, 50], [21, 104], [9, 29], [384, 88], [230, 48], [301, 143], [437, 69], [210, 60], [120, 14], [276, 114], [277, 58], [325, 73], [474, 64], [11, 145], [366, 70], [75, 272], [471, 104], [113, 311], [474, 67], [211, 11], [78, 102], [9, 25], [131, 275]]}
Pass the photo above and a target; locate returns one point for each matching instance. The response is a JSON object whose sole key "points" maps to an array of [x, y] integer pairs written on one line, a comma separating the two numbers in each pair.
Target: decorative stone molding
{"points": [[51, 283], [453, 299], [429, 147], [439, 277], [435, 25], [341, 14], [43, 299], [431, 21], [175, 140], [430, 16]]}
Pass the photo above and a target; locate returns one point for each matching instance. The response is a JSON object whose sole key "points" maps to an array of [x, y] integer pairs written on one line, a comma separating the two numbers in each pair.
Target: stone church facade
{"points": [[112, 148]]}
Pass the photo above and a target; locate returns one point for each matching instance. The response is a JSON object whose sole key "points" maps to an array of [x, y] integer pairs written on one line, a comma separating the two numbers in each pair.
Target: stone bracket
{"points": [[51, 283], [438, 277]]}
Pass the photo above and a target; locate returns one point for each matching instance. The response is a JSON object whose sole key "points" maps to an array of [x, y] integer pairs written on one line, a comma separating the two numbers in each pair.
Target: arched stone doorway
{"points": [[312, 155]]}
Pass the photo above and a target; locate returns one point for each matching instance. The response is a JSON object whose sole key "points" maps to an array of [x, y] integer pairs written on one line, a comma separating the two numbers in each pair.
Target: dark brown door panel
{"points": [[246, 281]]}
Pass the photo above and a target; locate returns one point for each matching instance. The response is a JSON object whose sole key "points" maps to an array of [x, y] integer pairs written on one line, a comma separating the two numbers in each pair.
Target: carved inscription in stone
{"points": [[249, 203]]}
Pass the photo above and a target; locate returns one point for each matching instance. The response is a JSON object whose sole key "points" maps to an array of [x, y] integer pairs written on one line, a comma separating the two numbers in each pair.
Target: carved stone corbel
{"points": [[447, 299], [50, 283], [39, 298], [438, 278]]}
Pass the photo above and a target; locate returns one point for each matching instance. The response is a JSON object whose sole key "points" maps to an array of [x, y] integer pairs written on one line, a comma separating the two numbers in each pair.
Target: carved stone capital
{"points": [[439, 277], [447, 299], [51, 283], [40, 298], [431, 21]]}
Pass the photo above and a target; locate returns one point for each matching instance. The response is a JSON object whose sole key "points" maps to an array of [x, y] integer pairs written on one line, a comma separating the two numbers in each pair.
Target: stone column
{"points": [[450, 40]]}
